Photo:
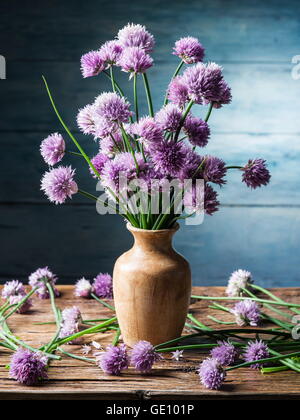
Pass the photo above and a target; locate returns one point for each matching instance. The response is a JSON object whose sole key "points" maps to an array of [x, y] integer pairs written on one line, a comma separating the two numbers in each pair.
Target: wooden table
{"points": [[73, 379]]}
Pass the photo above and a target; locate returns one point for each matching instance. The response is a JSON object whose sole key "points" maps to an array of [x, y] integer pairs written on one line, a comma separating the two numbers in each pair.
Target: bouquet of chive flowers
{"points": [[149, 151]]}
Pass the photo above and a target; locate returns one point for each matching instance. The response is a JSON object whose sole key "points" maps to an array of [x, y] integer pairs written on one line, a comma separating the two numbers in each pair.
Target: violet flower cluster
{"points": [[71, 322], [102, 287], [14, 292], [40, 278], [155, 148]]}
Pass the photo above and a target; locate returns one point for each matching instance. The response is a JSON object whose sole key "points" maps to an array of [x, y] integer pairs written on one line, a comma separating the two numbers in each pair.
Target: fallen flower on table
{"points": [[177, 355], [143, 356], [27, 367], [114, 360], [83, 288], [102, 286], [39, 279], [225, 353], [256, 350], [247, 312]]}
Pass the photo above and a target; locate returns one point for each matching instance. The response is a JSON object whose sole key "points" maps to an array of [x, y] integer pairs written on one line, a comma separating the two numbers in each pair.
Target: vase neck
{"points": [[147, 240]]}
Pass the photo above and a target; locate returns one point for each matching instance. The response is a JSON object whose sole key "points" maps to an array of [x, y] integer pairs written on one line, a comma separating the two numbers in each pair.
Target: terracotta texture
{"points": [[152, 288]]}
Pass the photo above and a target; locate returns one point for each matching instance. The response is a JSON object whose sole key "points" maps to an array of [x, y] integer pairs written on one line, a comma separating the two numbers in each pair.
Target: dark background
{"points": [[254, 41]]}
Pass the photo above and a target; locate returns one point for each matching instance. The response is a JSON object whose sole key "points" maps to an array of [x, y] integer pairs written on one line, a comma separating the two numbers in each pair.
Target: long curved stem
{"points": [[148, 94]]}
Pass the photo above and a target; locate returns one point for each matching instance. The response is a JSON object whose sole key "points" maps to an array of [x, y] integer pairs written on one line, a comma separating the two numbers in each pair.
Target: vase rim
{"points": [[135, 229]]}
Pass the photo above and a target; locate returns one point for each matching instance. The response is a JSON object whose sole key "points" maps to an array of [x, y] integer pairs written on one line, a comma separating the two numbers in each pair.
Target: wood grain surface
{"points": [[169, 379]]}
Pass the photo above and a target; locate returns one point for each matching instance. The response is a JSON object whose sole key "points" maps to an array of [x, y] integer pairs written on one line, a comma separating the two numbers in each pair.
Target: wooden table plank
{"points": [[169, 379]]}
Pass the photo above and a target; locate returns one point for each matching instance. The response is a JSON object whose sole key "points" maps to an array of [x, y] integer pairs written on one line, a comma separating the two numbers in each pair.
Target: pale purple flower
{"points": [[69, 328], [27, 367], [148, 130], [255, 173], [214, 170], [256, 350], [92, 64], [247, 312], [113, 360], [226, 354], [111, 145], [38, 279], [58, 184], [98, 161], [177, 355], [168, 157], [239, 280], [110, 53], [13, 288], [133, 35], [103, 286], [25, 307], [189, 49], [85, 349], [53, 149], [193, 164], [178, 92], [143, 356], [83, 288], [103, 126], [71, 314], [212, 374], [86, 120], [169, 117], [197, 131], [112, 107], [225, 96], [134, 60], [195, 200]]}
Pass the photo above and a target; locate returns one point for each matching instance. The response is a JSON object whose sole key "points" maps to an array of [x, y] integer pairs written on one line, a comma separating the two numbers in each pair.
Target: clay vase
{"points": [[152, 288]]}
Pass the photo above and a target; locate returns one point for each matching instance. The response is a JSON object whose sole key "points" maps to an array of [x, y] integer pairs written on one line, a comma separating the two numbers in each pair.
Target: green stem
{"points": [[274, 297], [234, 167], [173, 77], [136, 108], [188, 108], [74, 356], [219, 321], [112, 78], [274, 369], [209, 111], [102, 302], [116, 338], [115, 83], [74, 153], [19, 304], [148, 94], [175, 340], [57, 315]]}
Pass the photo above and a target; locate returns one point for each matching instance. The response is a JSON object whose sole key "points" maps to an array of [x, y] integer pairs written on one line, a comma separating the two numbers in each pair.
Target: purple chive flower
{"points": [[111, 145], [178, 92], [197, 131], [226, 354], [256, 350], [71, 314], [169, 117], [25, 307], [255, 173], [58, 184], [148, 130], [27, 367], [189, 49], [143, 356], [83, 288], [71, 319], [110, 53], [212, 374], [197, 200], [168, 157], [136, 36], [98, 161], [225, 96], [103, 286], [113, 360], [13, 288], [239, 280], [214, 170], [85, 120], [92, 64], [246, 312], [211, 203], [39, 277], [104, 127], [53, 149], [134, 60], [177, 355], [112, 107]]}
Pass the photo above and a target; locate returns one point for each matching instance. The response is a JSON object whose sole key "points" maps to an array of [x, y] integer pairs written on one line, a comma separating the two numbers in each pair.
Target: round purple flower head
{"points": [[13, 288], [256, 350], [134, 60], [112, 107], [14, 300], [143, 356], [255, 173], [136, 36], [85, 120], [71, 319], [169, 117], [189, 49], [114, 360], [53, 149], [99, 161], [71, 314], [112, 145], [224, 96], [214, 170], [246, 312], [58, 184], [197, 131], [199, 199], [38, 278], [211, 373], [91, 64], [148, 130], [168, 157], [103, 286], [83, 288], [226, 354], [178, 92], [110, 53], [211, 203], [27, 367], [239, 280]]}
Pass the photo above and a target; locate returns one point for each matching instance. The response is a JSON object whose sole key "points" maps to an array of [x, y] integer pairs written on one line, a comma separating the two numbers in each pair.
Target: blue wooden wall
{"points": [[254, 41]]}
